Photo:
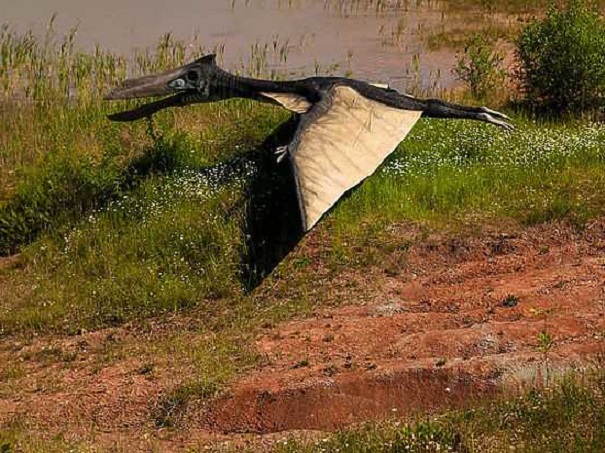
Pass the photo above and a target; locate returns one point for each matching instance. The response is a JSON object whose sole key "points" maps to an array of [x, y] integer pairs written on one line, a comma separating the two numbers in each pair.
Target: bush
{"points": [[563, 60], [479, 67]]}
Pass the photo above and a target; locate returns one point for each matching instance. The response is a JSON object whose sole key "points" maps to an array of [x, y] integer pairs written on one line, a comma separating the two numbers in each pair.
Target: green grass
{"points": [[454, 174], [173, 240]]}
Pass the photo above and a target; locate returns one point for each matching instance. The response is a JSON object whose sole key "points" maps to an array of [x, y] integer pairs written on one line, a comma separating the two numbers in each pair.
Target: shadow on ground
{"points": [[272, 224]]}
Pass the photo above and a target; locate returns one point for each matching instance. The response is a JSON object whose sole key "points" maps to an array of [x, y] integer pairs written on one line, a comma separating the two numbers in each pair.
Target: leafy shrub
{"points": [[479, 67], [563, 59]]}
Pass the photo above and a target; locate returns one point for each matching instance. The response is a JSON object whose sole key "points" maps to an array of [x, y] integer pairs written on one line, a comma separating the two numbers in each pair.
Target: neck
{"points": [[230, 85]]}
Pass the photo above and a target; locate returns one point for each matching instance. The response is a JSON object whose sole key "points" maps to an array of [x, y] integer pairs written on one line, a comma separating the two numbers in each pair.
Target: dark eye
{"points": [[177, 84], [192, 76]]}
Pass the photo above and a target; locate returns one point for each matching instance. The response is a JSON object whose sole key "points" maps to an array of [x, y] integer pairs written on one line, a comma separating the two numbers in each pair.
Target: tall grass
{"points": [[60, 157], [51, 93]]}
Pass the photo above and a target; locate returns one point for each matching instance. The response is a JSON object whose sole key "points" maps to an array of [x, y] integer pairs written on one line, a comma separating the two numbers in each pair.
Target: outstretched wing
{"points": [[341, 141]]}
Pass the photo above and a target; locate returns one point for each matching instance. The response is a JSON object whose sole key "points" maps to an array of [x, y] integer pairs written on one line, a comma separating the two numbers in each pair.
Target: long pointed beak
{"points": [[146, 110], [151, 85]]}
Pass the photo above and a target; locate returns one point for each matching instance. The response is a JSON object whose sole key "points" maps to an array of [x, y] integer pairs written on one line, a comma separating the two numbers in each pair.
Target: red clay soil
{"points": [[461, 320], [457, 319]]}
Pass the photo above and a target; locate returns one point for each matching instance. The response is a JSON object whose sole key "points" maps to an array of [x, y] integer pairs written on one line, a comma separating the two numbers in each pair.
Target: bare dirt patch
{"points": [[448, 321], [461, 319]]}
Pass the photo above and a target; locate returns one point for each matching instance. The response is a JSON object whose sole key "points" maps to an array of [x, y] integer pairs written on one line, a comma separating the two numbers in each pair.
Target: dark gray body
{"points": [[204, 81]]}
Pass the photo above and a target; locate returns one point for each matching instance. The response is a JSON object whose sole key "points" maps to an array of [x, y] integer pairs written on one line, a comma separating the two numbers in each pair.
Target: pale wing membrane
{"points": [[342, 146], [290, 101], [299, 104]]}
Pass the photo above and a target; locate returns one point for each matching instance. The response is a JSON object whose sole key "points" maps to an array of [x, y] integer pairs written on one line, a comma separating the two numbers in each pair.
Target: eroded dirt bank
{"points": [[451, 320], [461, 319]]}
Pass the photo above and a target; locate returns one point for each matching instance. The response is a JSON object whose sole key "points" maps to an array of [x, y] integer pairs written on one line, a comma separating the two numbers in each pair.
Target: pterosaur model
{"points": [[346, 129]]}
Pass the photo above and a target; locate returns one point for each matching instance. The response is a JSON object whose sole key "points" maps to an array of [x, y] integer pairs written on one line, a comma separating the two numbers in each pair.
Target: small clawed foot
{"points": [[488, 118], [503, 124], [495, 113], [281, 153]]}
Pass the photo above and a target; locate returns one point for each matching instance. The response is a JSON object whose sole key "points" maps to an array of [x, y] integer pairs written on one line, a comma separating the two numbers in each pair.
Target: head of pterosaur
{"points": [[187, 84]]}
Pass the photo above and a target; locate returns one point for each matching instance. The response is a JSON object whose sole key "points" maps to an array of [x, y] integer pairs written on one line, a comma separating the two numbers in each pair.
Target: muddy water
{"points": [[337, 37]]}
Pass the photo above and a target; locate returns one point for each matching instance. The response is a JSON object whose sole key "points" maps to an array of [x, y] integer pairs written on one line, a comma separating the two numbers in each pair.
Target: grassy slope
{"points": [[120, 250]]}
